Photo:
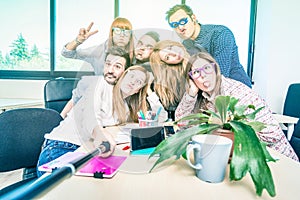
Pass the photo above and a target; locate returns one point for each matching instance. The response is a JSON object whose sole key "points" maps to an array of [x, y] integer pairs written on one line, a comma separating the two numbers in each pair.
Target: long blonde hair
{"points": [[169, 80], [122, 23], [135, 102], [201, 102]]}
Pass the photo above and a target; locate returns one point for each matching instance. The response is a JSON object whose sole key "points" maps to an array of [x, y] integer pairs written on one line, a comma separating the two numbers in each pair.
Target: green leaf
{"points": [[222, 104], [177, 143], [252, 115], [249, 156], [268, 156], [256, 125], [196, 116], [232, 104], [240, 110]]}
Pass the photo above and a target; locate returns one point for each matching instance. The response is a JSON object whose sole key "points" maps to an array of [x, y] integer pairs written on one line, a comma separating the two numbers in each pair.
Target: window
{"points": [[30, 50], [25, 42], [73, 15]]}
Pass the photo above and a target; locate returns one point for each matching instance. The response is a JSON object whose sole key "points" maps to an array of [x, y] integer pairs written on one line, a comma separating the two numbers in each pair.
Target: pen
{"points": [[142, 114], [139, 115], [157, 113]]}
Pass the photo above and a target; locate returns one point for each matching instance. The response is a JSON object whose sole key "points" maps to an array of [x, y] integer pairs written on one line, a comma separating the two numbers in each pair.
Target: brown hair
{"points": [[169, 80], [135, 102], [201, 102], [175, 8], [122, 23]]}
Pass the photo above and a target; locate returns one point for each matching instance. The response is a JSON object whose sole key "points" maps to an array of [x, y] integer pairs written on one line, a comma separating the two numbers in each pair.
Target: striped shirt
{"points": [[272, 134]]}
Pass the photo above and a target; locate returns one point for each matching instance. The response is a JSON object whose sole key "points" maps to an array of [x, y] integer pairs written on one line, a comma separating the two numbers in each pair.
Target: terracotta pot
{"points": [[226, 133]]}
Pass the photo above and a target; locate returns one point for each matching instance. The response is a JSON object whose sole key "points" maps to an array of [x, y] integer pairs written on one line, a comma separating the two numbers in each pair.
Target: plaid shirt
{"points": [[272, 134]]}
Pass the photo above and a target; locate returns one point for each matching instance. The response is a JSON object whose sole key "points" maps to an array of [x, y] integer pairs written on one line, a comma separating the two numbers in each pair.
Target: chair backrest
{"points": [[58, 92], [295, 140], [291, 103], [22, 135]]}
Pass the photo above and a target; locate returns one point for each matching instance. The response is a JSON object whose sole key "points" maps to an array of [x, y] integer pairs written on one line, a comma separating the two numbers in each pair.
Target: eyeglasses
{"points": [[207, 69], [118, 31], [182, 22]]}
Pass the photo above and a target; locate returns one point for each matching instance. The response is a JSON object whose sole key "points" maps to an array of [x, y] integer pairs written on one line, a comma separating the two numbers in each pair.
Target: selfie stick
{"points": [[57, 176]]}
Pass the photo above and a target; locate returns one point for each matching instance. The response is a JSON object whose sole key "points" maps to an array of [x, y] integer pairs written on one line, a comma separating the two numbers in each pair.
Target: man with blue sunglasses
{"points": [[217, 40]]}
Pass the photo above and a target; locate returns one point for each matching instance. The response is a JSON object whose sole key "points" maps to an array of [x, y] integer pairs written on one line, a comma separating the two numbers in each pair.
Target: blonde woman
{"points": [[102, 104], [141, 99], [168, 63], [120, 35]]}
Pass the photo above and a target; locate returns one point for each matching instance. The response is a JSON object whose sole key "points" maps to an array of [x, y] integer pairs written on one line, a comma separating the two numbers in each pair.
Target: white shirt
{"points": [[93, 109]]}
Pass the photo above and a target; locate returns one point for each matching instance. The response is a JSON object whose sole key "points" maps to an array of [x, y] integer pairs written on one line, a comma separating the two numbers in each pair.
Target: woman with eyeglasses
{"points": [[206, 83], [120, 35], [102, 105], [168, 64]]}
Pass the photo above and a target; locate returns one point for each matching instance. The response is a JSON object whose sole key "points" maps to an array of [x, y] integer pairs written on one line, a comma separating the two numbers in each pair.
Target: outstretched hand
{"points": [[99, 136], [85, 33]]}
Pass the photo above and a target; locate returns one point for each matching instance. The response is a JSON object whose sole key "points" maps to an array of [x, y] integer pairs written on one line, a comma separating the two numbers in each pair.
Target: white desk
{"points": [[177, 181], [12, 103], [290, 121]]}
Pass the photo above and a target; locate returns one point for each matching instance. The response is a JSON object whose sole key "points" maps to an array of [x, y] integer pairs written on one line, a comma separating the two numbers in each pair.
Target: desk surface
{"points": [[176, 181], [10, 103]]}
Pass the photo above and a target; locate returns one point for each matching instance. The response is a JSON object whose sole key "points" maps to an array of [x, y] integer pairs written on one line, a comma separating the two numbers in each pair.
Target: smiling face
{"points": [[187, 30], [205, 81], [171, 55], [113, 68], [132, 82], [144, 48]]}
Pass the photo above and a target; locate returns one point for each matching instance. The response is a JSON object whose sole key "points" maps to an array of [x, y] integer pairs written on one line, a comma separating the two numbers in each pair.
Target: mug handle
{"points": [[189, 150]]}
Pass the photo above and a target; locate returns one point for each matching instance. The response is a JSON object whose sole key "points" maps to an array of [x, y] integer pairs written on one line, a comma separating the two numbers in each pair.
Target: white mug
{"points": [[211, 154]]}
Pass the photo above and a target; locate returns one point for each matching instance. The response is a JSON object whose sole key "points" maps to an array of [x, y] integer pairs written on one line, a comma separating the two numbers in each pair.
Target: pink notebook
{"points": [[107, 167]]}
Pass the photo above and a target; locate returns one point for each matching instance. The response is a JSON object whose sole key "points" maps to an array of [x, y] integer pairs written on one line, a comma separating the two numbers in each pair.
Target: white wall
{"points": [[277, 52], [31, 89]]}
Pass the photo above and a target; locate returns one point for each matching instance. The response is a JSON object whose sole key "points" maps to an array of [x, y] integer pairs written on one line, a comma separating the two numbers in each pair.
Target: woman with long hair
{"points": [[102, 105], [120, 34], [206, 83], [142, 99], [168, 63]]}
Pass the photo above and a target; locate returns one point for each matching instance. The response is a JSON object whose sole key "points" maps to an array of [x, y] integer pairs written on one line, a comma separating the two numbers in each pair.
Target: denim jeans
{"points": [[53, 149]]}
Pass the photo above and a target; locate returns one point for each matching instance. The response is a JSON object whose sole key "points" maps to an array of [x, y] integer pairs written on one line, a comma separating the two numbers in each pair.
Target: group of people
{"points": [[180, 77]]}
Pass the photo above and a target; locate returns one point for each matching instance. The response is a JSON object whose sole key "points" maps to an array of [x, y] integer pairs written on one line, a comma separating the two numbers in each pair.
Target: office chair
{"points": [[58, 92], [21, 137], [291, 107], [291, 103], [295, 140]]}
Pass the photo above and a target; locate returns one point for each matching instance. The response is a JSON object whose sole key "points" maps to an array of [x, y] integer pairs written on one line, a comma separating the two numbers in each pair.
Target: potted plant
{"points": [[249, 154]]}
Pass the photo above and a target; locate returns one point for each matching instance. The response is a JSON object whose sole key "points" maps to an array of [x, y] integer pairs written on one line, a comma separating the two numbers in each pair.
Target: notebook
{"points": [[106, 167]]}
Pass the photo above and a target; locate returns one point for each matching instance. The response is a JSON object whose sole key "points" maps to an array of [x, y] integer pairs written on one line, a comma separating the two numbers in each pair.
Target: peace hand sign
{"points": [[85, 33]]}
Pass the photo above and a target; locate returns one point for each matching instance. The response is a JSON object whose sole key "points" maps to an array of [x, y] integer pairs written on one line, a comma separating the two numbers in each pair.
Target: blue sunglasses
{"points": [[183, 21]]}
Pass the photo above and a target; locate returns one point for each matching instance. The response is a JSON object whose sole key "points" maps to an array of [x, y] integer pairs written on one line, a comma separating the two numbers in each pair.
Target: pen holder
{"points": [[147, 122]]}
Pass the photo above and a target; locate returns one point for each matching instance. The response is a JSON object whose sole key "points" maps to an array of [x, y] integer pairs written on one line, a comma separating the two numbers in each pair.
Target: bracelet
{"points": [[77, 41]]}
